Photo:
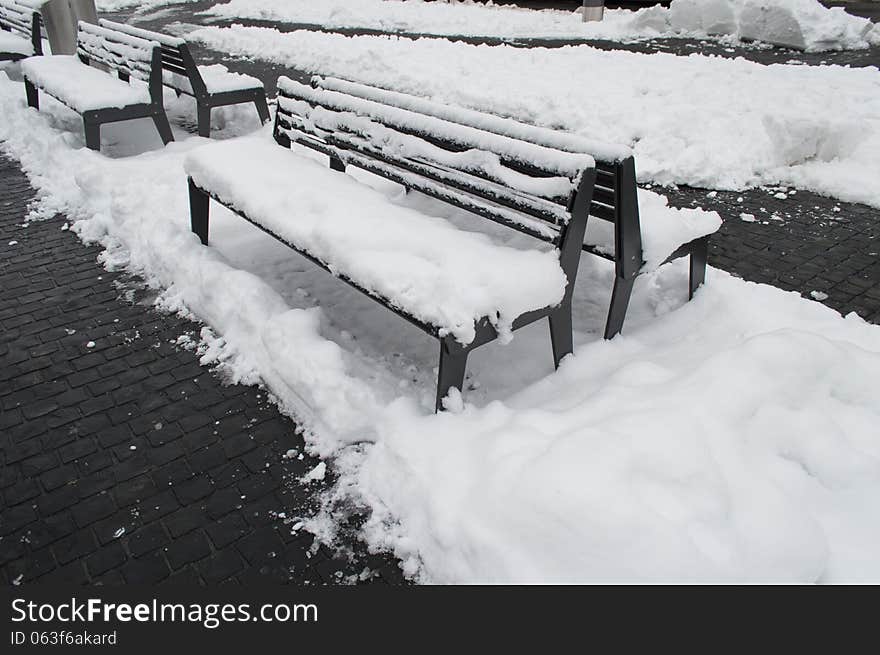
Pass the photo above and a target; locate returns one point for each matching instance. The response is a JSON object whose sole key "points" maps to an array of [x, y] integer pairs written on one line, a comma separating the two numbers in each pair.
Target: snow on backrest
{"points": [[602, 151], [122, 52], [176, 60], [17, 18]]}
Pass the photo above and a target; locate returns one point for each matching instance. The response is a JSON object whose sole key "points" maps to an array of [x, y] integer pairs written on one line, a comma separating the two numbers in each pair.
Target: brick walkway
{"points": [[121, 458]]}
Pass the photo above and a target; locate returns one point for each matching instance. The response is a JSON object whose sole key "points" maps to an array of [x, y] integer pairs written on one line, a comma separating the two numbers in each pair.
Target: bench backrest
{"points": [[614, 195], [529, 187], [127, 55], [23, 21], [180, 71]]}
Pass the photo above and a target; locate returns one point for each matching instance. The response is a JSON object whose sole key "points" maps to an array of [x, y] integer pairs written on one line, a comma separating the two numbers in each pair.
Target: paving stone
{"points": [[191, 547]]}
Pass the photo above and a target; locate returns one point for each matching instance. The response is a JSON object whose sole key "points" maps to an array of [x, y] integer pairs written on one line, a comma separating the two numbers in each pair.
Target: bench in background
{"points": [[618, 233], [538, 191], [211, 86], [96, 94], [20, 31]]}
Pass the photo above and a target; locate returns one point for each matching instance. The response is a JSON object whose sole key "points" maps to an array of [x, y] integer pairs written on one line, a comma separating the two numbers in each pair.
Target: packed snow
{"points": [[802, 24], [731, 438], [703, 121]]}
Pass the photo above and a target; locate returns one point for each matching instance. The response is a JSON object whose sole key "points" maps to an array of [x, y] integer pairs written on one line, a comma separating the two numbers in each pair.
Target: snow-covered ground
{"points": [[139, 5], [730, 438], [705, 121], [802, 24]]}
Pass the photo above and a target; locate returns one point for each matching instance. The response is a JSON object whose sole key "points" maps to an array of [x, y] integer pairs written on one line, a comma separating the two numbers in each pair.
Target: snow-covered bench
{"points": [[635, 245], [211, 86], [455, 284], [98, 95], [20, 31]]}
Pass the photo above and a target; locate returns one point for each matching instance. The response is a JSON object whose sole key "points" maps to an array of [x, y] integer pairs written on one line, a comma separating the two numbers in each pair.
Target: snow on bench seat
{"points": [[80, 87], [217, 79], [422, 265], [13, 44], [664, 229]]}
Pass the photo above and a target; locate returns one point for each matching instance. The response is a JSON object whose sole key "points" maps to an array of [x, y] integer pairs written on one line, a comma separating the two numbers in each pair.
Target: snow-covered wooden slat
{"points": [[600, 150], [549, 161], [17, 19], [471, 181], [399, 171], [128, 54], [172, 59]]}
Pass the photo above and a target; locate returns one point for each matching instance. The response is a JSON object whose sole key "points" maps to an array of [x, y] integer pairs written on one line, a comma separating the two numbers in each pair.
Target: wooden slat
{"points": [[463, 181], [480, 206], [450, 136]]}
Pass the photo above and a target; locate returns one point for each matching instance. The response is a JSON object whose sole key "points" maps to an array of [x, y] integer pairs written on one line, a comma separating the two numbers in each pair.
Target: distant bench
{"points": [[211, 86], [20, 31], [95, 94], [459, 287]]}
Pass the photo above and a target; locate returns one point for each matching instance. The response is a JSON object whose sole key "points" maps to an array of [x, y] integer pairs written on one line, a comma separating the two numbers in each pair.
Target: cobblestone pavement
{"points": [[121, 458], [126, 461]]}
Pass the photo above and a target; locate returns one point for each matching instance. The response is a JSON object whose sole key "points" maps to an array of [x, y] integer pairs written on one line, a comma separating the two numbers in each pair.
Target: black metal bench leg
{"points": [[262, 108], [699, 259], [199, 205], [33, 95], [337, 164], [93, 135], [204, 112], [164, 127], [619, 302], [560, 332], [453, 363]]}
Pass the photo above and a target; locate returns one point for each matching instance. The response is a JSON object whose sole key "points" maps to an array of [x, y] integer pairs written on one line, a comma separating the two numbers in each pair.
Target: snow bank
{"points": [[705, 121], [802, 24], [731, 438]]}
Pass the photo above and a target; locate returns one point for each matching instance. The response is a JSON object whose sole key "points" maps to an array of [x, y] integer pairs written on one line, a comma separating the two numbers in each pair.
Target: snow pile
{"points": [[800, 24], [704, 121], [730, 438], [803, 24]]}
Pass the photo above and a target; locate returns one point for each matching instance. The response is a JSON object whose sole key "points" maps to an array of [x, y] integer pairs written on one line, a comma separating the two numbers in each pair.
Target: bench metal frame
{"points": [[453, 354], [94, 118], [23, 21], [177, 59]]}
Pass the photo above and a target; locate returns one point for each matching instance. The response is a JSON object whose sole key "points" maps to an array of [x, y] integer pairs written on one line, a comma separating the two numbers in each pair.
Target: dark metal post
{"points": [[593, 10]]}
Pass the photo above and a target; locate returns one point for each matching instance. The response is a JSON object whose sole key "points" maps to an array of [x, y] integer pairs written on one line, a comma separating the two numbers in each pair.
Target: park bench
{"points": [[20, 31], [94, 93], [619, 234], [211, 86], [541, 187]]}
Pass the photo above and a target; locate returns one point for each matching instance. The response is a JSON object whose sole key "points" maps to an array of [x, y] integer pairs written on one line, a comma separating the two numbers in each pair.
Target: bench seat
{"points": [[217, 79], [81, 87], [664, 230], [424, 266], [14, 44]]}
